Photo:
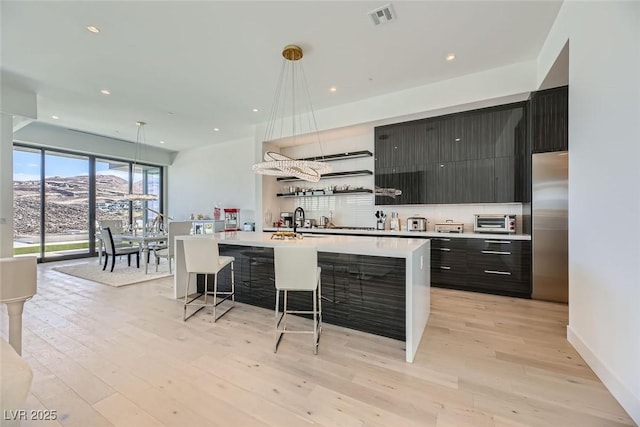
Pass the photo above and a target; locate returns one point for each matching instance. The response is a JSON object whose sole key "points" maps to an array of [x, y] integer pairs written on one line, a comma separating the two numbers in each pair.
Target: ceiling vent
{"points": [[382, 15]]}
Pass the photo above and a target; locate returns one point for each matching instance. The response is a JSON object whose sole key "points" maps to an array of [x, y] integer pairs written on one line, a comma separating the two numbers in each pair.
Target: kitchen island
{"points": [[377, 285]]}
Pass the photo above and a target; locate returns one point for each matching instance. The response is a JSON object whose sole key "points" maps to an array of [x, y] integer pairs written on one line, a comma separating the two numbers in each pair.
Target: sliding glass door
{"points": [[112, 185], [60, 197], [66, 204], [27, 201]]}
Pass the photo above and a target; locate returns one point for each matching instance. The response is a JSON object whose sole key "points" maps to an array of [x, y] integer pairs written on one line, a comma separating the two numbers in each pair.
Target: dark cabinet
{"points": [[496, 266], [470, 157], [500, 266], [448, 260], [550, 120]]}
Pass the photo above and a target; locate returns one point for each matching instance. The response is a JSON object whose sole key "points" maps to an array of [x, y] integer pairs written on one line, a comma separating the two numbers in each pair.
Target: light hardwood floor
{"points": [[104, 356]]}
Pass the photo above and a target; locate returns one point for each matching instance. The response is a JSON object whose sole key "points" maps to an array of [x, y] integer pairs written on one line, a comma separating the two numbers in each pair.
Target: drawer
{"points": [[448, 274], [452, 243], [500, 246], [507, 283]]}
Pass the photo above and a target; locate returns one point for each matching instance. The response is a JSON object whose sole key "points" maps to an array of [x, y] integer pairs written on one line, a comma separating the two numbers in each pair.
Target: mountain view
{"points": [[67, 203]]}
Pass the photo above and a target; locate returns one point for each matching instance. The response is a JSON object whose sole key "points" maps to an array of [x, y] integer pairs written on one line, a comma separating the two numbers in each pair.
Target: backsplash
{"points": [[357, 210]]}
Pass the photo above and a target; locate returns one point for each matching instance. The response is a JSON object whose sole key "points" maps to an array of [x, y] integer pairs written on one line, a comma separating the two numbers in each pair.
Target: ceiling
{"points": [[186, 68]]}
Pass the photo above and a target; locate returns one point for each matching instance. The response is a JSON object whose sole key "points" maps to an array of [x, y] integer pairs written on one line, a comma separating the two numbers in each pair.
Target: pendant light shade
{"points": [[291, 105], [139, 149]]}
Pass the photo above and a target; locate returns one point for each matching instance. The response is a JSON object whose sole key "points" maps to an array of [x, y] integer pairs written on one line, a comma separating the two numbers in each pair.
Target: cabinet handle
{"points": [[445, 249], [496, 252], [504, 273], [441, 239], [500, 242], [445, 268]]}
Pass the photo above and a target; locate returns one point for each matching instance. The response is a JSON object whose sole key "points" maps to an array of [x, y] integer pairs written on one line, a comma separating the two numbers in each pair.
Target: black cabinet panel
{"points": [[360, 292], [498, 266], [506, 180], [550, 119], [411, 181], [453, 158]]}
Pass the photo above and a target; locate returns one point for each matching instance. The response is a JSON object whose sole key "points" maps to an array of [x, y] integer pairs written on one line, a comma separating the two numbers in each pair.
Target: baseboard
{"points": [[621, 392]]}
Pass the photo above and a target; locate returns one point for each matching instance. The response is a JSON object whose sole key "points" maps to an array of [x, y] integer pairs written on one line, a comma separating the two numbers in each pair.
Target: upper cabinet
{"points": [[550, 120], [469, 157]]}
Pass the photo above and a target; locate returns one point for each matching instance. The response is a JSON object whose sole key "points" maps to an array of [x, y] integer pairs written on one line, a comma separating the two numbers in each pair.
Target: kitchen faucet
{"points": [[295, 216]]}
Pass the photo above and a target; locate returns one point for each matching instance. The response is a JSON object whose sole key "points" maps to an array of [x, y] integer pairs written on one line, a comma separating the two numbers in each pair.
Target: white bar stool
{"points": [[296, 269], [201, 256]]}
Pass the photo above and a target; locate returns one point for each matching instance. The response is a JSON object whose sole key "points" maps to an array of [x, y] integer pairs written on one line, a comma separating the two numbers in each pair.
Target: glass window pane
{"points": [[112, 185], [146, 180], [66, 213], [26, 201]]}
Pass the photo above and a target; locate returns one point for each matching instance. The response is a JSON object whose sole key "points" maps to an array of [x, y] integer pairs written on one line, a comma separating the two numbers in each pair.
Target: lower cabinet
{"points": [[496, 266]]}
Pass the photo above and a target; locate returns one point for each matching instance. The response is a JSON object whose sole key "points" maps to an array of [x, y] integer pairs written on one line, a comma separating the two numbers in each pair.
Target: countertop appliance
{"points": [[449, 227], [490, 223], [310, 223], [417, 223], [550, 225], [287, 219]]}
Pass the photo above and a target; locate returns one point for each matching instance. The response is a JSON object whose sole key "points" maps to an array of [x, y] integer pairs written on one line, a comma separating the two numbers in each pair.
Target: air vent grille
{"points": [[382, 15]]}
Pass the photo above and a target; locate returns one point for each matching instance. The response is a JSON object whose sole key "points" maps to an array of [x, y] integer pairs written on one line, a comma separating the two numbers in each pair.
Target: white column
{"points": [[6, 185], [14, 309]]}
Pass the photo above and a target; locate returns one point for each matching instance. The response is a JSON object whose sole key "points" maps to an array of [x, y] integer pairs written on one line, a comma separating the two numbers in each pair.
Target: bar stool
{"points": [[202, 256], [296, 269]]}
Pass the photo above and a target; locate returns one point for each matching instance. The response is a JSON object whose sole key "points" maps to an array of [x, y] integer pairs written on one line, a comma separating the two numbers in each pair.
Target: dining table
{"points": [[143, 239]]}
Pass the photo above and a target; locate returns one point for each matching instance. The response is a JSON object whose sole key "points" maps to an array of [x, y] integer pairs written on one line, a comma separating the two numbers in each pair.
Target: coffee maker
{"points": [[287, 219]]}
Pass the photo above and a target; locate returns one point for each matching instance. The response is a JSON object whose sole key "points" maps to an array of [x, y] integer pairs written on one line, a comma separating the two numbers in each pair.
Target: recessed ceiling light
{"points": [[450, 57], [55, 117], [216, 129], [255, 110], [105, 92], [161, 142], [333, 89], [93, 29]]}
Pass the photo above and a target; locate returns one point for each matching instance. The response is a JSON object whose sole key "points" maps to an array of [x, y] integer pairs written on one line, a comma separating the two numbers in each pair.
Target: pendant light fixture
{"points": [[291, 105], [139, 150]]}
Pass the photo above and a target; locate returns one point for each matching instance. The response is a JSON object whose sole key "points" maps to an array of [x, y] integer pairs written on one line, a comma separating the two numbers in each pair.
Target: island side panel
{"points": [[418, 297], [361, 292]]}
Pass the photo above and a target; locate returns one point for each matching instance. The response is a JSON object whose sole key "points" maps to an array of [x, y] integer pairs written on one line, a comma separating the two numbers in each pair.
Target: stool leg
{"points": [[315, 321], [215, 296], [233, 286], [277, 335], [186, 295]]}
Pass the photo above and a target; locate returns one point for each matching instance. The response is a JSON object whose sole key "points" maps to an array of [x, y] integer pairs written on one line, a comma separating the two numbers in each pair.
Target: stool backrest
{"points": [[201, 255], [296, 267], [177, 228]]}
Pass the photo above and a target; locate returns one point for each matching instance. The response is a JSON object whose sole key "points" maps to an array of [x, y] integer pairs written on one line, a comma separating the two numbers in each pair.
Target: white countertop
{"points": [[394, 247], [405, 233]]}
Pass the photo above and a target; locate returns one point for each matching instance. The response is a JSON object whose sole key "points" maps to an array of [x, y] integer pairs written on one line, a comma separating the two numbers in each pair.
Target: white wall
{"points": [[604, 187], [217, 174]]}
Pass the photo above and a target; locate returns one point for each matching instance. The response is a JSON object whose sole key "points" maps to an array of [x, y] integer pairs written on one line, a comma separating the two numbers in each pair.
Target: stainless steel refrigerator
{"points": [[550, 226]]}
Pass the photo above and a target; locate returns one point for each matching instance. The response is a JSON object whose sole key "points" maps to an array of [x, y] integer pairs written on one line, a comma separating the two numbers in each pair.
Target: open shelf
{"points": [[325, 193], [330, 175], [341, 156]]}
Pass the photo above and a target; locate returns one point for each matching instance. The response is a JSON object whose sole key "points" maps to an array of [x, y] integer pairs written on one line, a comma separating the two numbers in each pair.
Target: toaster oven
{"points": [[495, 224]]}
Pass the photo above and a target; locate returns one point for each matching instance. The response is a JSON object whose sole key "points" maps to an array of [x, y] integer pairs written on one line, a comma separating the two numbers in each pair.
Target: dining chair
{"points": [[176, 228], [116, 226], [296, 269], [202, 256], [110, 249]]}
